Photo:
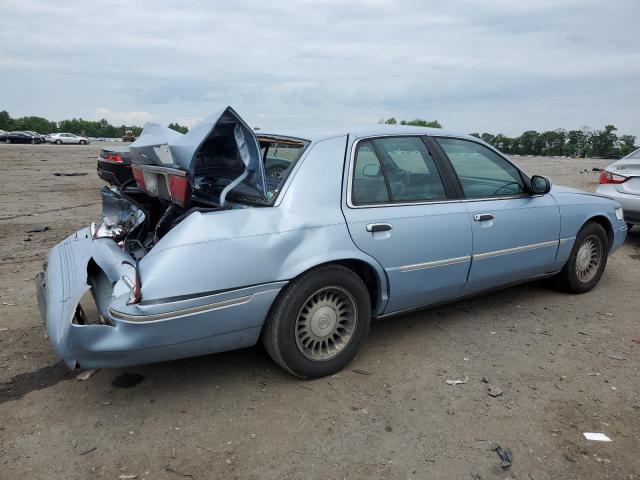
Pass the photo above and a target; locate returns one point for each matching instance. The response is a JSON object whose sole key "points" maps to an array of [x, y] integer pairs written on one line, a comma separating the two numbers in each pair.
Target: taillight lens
{"points": [[114, 158], [608, 177], [138, 175], [154, 181], [178, 188]]}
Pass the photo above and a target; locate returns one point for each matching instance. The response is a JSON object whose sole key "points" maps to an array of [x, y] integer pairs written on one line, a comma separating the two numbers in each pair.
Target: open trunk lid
{"points": [[219, 155]]}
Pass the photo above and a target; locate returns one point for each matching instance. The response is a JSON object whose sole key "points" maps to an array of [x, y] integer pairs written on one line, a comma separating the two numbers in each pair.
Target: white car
{"points": [[60, 138], [621, 181]]}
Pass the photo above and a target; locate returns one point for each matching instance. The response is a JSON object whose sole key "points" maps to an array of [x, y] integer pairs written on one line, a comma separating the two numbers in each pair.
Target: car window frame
{"points": [[450, 187], [526, 181]]}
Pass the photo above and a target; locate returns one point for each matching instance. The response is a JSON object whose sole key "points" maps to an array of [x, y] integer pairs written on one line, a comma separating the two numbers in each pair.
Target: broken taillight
{"points": [[178, 188], [608, 177], [138, 175], [113, 158], [167, 183]]}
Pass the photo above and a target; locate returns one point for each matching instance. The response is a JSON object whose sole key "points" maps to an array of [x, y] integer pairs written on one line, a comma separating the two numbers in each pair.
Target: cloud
{"points": [[496, 65], [124, 118]]}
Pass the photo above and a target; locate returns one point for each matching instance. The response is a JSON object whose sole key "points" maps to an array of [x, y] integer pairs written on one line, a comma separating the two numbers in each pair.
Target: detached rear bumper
{"points": [[82, 267]]}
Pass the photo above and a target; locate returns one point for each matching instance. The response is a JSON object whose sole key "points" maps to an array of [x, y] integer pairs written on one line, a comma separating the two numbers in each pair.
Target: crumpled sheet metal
{"points": [[119, 215]]}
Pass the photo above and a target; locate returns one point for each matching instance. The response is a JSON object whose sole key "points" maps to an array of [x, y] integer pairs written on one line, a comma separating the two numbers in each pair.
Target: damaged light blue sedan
{"points": [[225, 236]]}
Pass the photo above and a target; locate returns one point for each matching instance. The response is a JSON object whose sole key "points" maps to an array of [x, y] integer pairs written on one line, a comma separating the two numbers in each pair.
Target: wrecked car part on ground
{"points": [[300, 239]]}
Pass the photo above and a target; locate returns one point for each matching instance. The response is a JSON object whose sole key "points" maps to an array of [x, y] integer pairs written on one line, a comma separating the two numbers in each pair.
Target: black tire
{"points": [[7, 140], [629, 226], [58, 142], [279, 333], [568, 279], [82, 142]]}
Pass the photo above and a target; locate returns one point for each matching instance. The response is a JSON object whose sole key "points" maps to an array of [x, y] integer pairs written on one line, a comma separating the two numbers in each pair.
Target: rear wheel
{"points": [[319, 322], [58, 142], [82, 142], [587, 260]]}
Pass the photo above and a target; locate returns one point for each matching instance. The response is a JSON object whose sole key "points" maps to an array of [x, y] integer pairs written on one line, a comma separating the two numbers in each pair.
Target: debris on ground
{"points": [[361, 372], [70, 174], [92, 449], [596, 437], [484, 380], [616, 355], [495, 390], [636, 340], [505, 454], [458, 382], [127, 380], [37, 228], [86, 374], [127, 476]]}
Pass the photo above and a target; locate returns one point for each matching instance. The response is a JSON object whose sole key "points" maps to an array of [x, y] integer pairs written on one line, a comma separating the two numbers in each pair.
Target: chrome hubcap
{"points": [[326, 323], [588, 258]]}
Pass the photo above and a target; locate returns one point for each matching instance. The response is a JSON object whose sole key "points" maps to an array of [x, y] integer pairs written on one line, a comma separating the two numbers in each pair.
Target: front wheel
{"points": [[587, 260], [319, 322], [7, 140], [82, 142], [58, 142]]}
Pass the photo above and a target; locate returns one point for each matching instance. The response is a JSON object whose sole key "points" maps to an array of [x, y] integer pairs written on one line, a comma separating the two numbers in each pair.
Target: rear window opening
{"points": [[217, 160]]}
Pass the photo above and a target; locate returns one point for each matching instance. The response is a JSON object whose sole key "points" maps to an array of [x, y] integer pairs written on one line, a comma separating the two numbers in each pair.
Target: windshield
{"points": [[279, 155]]}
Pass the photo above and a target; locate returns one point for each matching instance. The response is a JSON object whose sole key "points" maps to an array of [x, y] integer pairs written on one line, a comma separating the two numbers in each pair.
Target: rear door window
{"points": [[411, 171], [369, 185]]}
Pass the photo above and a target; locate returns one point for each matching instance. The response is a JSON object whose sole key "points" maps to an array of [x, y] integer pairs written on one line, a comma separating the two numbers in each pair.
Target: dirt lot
{"points": [[390, 414]]}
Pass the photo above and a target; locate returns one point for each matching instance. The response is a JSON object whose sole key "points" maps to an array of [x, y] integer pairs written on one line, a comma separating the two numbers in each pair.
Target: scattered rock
{"points": [[616, 355], [484, 380], [86, 374], [70, 174], [495, 390], [37, 228], [458, 382], [92, 449], [361, 372]]}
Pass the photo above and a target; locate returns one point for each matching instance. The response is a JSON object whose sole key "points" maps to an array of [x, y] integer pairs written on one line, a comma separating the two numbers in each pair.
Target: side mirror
{"points": [[371, 170], [540, 185]]}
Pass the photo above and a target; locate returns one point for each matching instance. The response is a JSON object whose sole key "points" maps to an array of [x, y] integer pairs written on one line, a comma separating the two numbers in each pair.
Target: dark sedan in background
{"points": [[19, 137]]}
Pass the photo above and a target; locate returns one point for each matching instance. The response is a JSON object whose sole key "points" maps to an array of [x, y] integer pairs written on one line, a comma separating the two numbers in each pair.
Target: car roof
{"points": [[316, 135]]}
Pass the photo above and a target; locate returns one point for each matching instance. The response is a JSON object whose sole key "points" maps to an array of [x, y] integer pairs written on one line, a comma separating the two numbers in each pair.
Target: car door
{"points": [[515, 235], [402, 210]]}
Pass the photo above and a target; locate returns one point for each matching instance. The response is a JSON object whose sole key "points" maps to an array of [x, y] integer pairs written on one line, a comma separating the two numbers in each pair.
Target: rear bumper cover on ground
{"points": [[137, 334]]}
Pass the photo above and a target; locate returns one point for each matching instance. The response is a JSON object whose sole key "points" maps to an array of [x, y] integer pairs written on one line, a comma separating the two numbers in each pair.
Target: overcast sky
{"points": [[492, 65]]}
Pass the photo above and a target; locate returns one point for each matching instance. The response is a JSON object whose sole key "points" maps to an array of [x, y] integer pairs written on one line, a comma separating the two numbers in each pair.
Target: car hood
{"points": [[222, 151], [562, 189]]}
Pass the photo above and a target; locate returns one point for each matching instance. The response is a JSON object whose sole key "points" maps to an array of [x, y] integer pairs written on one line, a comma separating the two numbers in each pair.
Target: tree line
{"points": [[603, 143], [89, 128]]}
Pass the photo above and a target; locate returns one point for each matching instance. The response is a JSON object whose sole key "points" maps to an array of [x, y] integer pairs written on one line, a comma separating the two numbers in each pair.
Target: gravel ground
{"points": [[567, 365]]}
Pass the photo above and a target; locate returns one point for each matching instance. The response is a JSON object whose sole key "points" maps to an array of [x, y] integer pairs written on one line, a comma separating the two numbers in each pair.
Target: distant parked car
{"points": [[40, 136], [210, 254], [19, 137], [621, 181], [59, 138]]}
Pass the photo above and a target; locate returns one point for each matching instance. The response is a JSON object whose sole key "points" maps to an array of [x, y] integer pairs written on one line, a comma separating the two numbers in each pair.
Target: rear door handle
{"points": [[378, 227], [481, 217]]}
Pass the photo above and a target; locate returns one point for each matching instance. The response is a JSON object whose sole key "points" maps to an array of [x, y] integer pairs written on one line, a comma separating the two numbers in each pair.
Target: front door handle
{"points": [[481, 217], [378, 227]]}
